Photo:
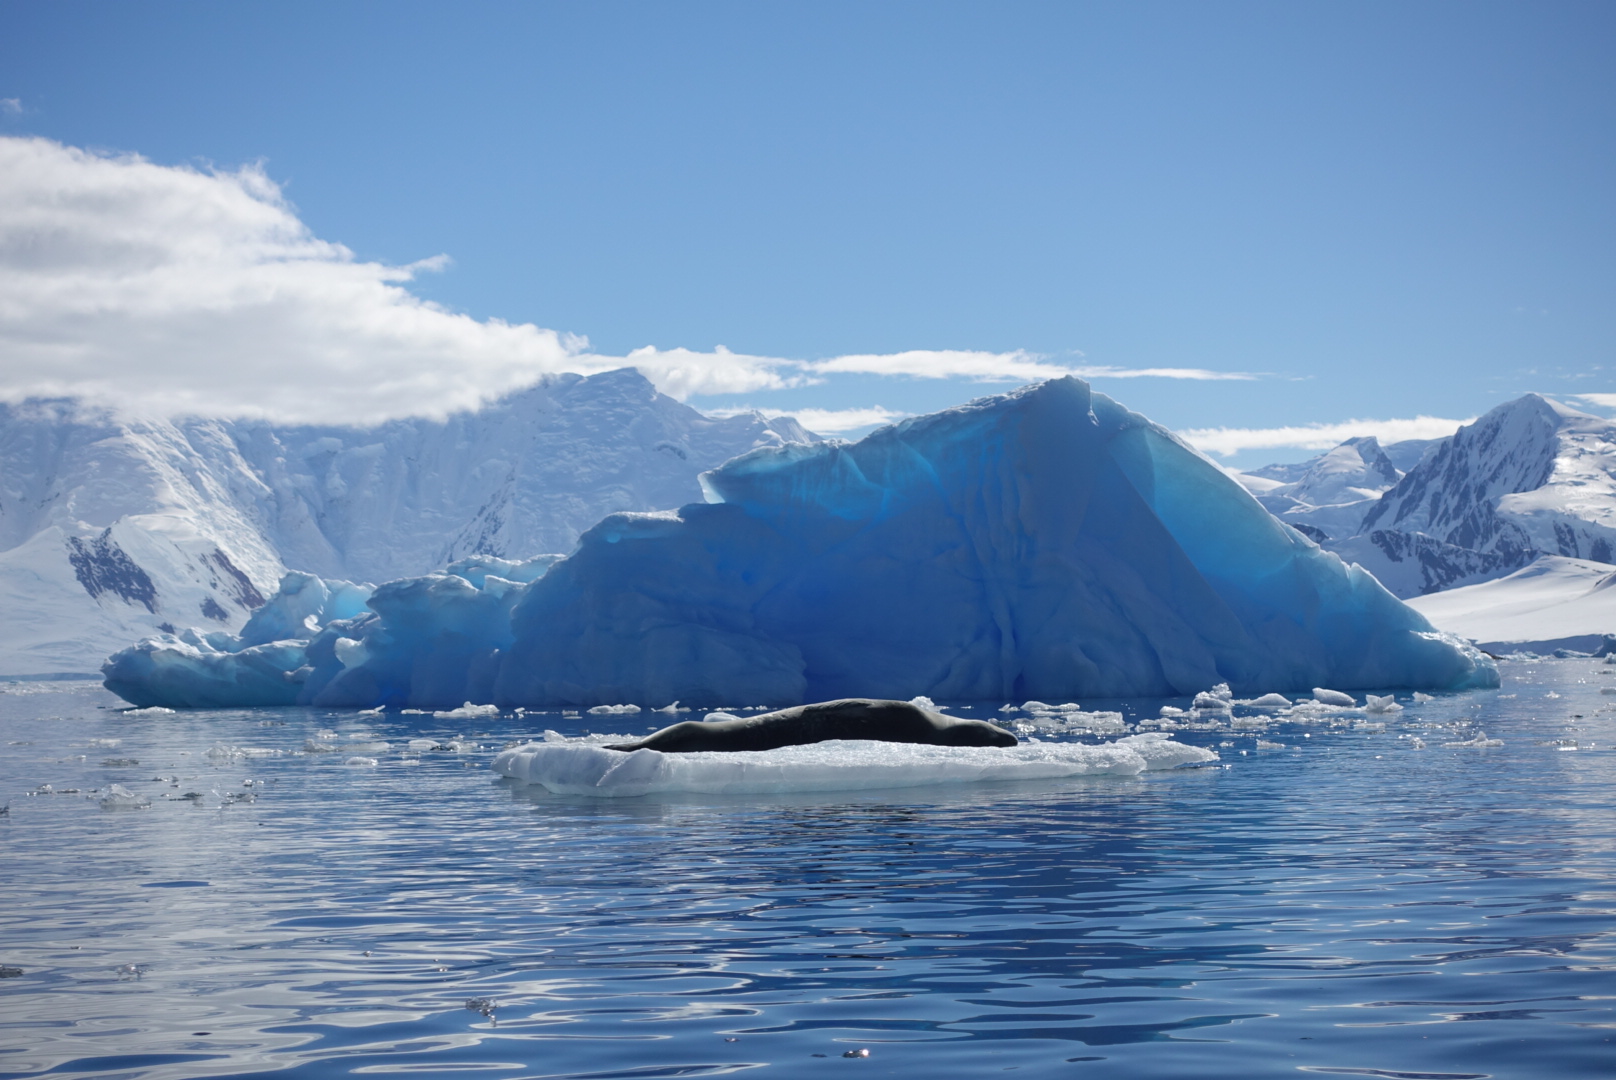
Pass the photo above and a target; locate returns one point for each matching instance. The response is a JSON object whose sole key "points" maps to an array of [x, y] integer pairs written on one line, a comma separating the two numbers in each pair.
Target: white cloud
{"points": [[682, 373], [1018, 366], [1603, 401], [1228, 441], [173, 290], [826, 421], [11, 106]]}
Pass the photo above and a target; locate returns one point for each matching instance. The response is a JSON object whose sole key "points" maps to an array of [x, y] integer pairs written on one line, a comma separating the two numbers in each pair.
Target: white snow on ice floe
{"points": [[582, 767]]}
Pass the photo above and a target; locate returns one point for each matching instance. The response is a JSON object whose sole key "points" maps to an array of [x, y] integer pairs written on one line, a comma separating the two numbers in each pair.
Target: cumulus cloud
{"points": [[1226, 441], [826, 421], [175, 290]]}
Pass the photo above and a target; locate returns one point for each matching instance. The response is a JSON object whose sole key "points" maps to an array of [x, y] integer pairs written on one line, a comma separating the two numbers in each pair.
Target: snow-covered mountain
{"points": [[112, 528], [1329, 495], [1531, 477]]}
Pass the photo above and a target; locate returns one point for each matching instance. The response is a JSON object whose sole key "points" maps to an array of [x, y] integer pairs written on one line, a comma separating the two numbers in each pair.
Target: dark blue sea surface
{"points": [[1348, 905]]}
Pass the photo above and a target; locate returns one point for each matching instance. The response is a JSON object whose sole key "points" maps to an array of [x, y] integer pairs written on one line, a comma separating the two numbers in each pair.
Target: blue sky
{"points": [[1379, 210]]}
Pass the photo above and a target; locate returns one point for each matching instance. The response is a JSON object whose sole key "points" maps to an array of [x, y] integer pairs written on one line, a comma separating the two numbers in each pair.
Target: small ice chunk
{"points": [[613, 710], [1382, 704], [119, 797], [150, 710], [1417, 743], [422, 744], [1210, 701], [1332, 697], [1267, 701], [1420, 697], [1264, 744], [318, 746], [104, 744], [671, 709], [468, 711], [1480, 740], [377, 711], [923, 702], [359, 761]]}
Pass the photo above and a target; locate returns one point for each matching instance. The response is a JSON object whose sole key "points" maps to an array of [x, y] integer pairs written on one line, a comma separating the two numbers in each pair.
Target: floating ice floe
{"points": [[151, 710], [1333, 697], [1267, 701], [613, 710], [1378, 704], [580, 767], [359, 761]]}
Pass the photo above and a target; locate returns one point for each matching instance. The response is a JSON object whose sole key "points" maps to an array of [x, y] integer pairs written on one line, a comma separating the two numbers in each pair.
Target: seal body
{"points": [[849, 718]]}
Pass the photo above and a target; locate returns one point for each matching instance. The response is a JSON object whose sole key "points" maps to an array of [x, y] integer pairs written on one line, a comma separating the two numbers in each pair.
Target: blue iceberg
{"points": [[1044, 544]]}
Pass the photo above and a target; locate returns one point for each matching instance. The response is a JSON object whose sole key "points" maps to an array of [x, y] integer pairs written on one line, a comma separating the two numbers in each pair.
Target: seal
{"points": [[848, 718]]}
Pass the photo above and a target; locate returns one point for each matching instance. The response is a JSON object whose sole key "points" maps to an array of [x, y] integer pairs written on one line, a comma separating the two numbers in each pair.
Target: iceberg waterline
{"points": [[1046, 543]]}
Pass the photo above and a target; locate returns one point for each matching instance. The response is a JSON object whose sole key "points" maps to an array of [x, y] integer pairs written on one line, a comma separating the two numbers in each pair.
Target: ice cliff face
{"points": [[114, 528], [1531, 477], [1044, 544]]}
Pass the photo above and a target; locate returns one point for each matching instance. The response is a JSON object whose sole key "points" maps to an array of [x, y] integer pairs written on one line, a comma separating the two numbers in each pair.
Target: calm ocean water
{"points": [[1348, 905]]}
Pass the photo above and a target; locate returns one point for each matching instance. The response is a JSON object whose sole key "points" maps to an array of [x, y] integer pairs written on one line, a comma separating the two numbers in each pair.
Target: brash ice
{"points": [[1046, 543]]}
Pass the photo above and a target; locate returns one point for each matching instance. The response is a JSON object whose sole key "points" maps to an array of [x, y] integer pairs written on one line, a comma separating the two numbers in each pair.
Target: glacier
{"points": [[1046, 543]]}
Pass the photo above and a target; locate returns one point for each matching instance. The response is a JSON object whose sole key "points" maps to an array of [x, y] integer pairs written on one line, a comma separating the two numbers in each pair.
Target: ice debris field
{"points": [[1046, 543]]}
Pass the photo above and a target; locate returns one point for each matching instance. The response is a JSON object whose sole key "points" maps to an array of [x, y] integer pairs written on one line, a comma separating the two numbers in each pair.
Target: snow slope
{"points": [[1552, 603], [1043, 544], [112, 528]]}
